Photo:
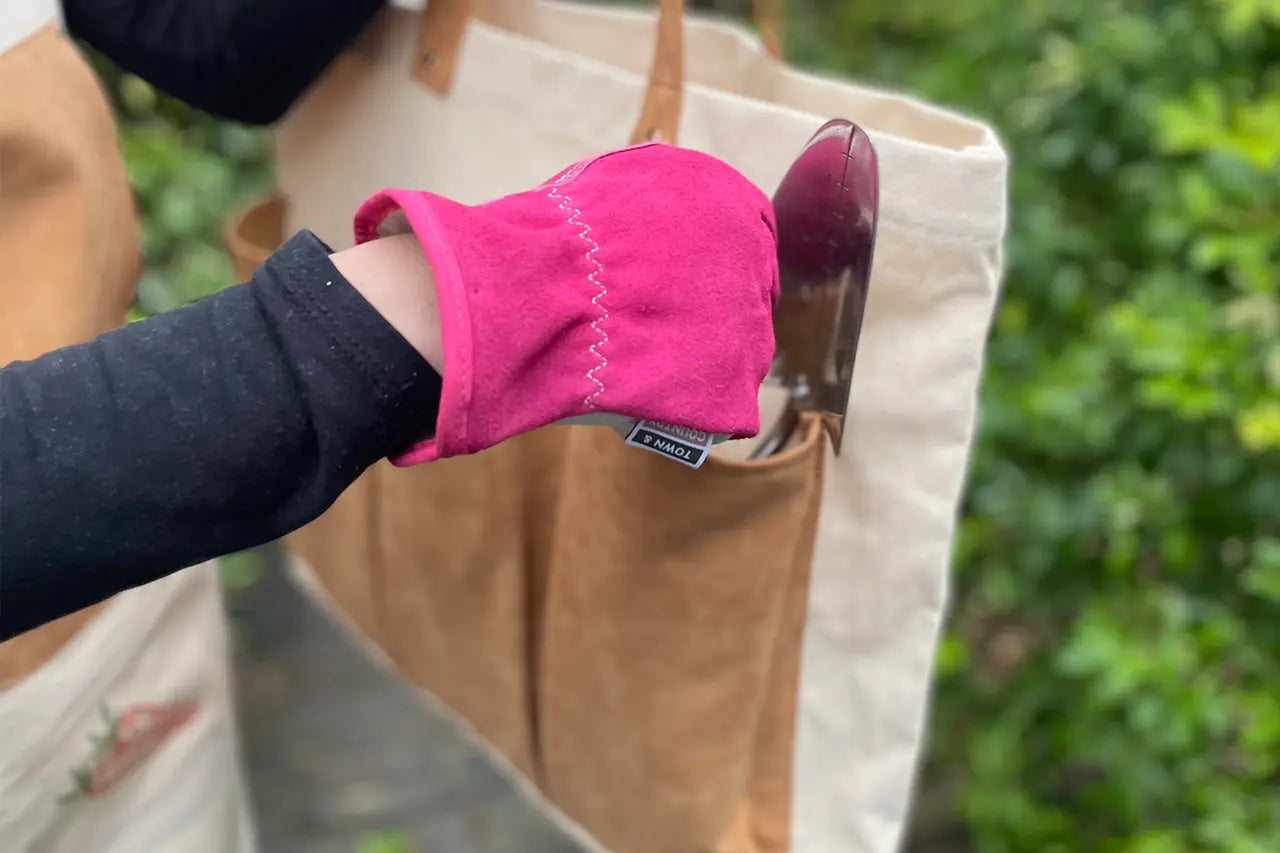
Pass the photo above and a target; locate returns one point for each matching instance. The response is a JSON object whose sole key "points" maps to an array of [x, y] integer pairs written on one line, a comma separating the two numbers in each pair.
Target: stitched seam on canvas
{"points": [[574, 217]]}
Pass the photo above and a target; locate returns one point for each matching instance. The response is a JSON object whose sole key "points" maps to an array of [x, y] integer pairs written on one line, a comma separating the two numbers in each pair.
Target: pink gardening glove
{"points": [[639, 283]]}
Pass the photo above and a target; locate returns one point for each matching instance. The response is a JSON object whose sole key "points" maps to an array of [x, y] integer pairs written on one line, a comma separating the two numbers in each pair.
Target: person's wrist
{"points": [[394, 276]]}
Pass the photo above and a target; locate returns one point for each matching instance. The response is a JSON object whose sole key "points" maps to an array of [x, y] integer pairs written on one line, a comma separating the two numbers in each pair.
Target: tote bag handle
{"points": [[445, 21]]}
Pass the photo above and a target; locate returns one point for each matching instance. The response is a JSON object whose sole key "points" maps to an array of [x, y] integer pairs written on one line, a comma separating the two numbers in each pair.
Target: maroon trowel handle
{"points": [[826, 211], [826, 208]]}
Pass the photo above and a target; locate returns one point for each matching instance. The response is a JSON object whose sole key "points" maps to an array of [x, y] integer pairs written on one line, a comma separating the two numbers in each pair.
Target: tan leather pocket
{"points": [[669, 643], [254, 233], [624, 629], [462, 541]]}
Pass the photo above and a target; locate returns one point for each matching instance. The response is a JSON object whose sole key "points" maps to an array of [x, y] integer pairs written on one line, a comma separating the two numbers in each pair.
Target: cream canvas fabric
{"points": [[540, 85], [21, 18], [126, 738]]}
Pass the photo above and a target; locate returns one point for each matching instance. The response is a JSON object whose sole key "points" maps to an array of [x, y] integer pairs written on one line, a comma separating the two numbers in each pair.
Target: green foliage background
{"points": [[1110, 679], [189, 173]]}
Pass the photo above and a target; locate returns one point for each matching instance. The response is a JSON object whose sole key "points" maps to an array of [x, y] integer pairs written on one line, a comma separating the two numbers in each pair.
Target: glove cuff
{"points": [[396, 211]]}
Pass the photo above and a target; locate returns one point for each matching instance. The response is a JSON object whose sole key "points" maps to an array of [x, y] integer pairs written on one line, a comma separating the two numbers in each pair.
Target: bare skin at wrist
{"points": [[394, 276]]}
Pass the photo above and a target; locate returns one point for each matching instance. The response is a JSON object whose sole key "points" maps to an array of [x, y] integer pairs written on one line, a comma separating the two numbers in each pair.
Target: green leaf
{"points": [[384, 842], [1259, 426], [1262, 577], [1156, 841]]}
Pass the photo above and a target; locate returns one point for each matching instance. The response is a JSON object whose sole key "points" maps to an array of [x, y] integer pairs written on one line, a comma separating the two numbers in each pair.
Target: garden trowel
{"points": [[825, 209]]}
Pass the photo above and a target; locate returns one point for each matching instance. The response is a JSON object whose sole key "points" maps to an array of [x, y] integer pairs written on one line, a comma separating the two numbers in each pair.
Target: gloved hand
{"points": [[638, 283]]}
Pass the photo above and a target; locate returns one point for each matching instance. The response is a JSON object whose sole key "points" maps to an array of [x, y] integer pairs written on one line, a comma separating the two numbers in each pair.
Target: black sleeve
{"points": [[245, 60], [213, 428]]}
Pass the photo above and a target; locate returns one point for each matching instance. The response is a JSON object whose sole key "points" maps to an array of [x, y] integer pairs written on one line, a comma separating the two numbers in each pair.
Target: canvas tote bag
{"points": [[117, 726], [730, 659]]}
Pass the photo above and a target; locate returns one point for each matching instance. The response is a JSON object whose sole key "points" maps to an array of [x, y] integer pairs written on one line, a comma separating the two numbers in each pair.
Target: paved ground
{"points": [[338, 750]]}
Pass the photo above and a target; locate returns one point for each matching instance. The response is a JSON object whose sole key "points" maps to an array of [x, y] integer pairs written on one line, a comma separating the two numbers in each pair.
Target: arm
{"points": [[246, 60], [213, 428], [237, 419]]}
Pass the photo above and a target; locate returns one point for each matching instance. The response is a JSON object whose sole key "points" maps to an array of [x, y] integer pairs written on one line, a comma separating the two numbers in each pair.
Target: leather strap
{"points": [[442, 27], [660, 112], [439, 39], [445, 22], [769, 18]]}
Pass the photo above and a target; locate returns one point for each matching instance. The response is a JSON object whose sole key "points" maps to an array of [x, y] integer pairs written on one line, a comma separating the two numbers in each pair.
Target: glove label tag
{"points": [[684, 445]]}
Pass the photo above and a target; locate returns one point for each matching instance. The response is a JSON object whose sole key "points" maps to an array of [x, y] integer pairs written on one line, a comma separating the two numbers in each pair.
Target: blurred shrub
{"points": [[1111, 677], [189, 173], [384, 842]]}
